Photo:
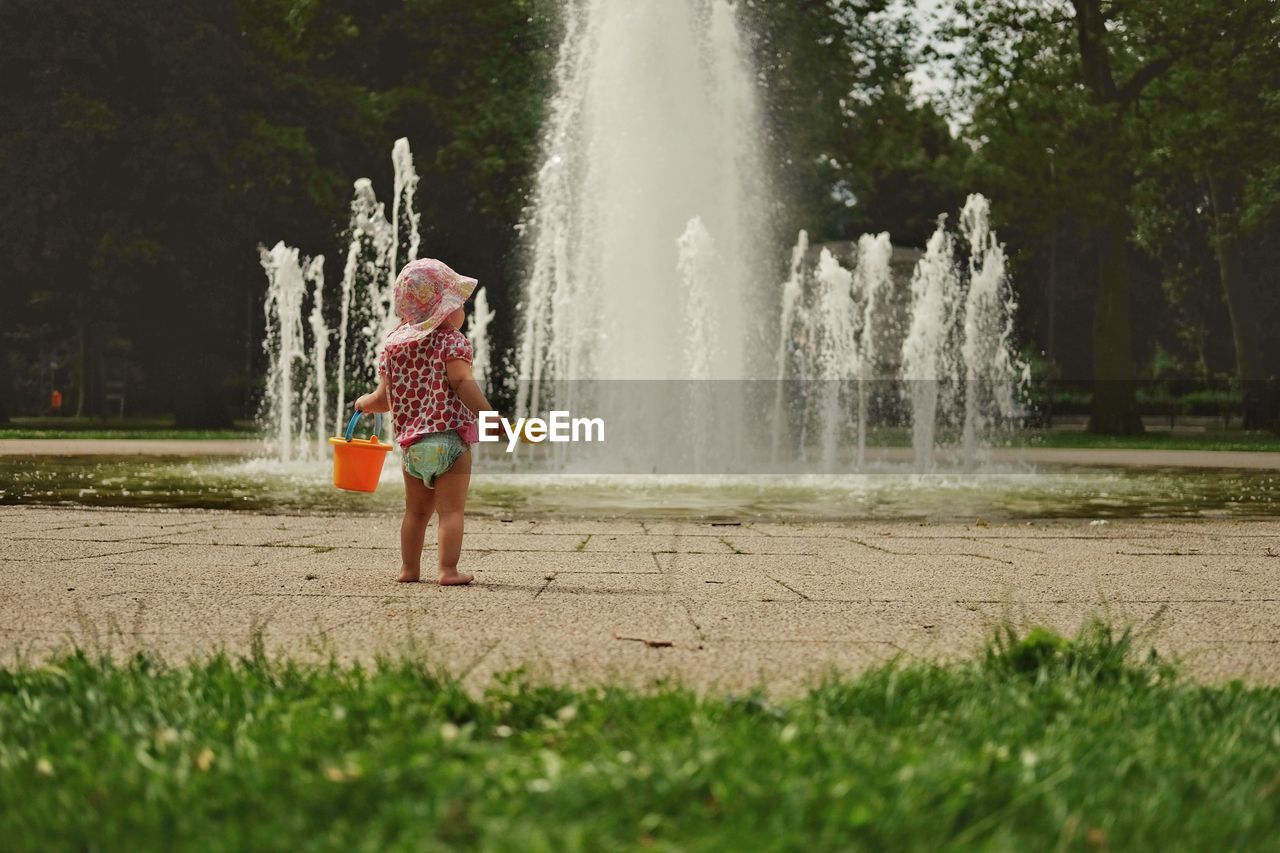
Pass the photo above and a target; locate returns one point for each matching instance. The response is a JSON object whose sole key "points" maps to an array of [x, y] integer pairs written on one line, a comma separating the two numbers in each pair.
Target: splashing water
{"points": [[305, 362], [698, 265], [834, 339], [928, 352], [647, 241], [948, 351], [992, 370], [872, 285], [478, 334], [365, 302], [655, 123], [293, 406]]}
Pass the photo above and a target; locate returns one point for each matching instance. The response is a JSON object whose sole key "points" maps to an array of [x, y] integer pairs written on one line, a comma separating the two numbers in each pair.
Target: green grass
{"points": [[119, 428], [1045, 743], [1219, 439], [1207, 440], [130, 434]]}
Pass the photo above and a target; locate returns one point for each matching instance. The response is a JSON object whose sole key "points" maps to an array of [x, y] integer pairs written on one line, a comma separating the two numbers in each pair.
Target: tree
{"points": [[149, 146], [1128, 100], [857, 150], [1056, 76], [1215, 128]]}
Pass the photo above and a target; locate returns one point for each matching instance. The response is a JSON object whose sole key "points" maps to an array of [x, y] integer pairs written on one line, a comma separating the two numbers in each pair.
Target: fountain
{"points": [[993, 373], [929, 364], [305, 362], [648, 259], [948, 351], [293, 405], [364, 298], [655, 125], [873, 281], [478, 322], [634, 223]]}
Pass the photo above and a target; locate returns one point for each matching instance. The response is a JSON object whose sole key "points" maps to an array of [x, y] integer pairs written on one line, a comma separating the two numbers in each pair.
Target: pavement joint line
{"points": [[471, 667], [1021, 548], [490, 586], [789, 587], [787, 641], [324, 549], [71, 633], [1095, 601], [550, 579], [583, 593], [90, 556], [685, 604], [734, 548], [878, 548], [980, 557], [344, 623], [1181, 554]]}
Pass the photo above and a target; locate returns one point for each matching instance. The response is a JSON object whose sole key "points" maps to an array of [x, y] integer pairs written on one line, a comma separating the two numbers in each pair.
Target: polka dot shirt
{"points": [[418, 387]]}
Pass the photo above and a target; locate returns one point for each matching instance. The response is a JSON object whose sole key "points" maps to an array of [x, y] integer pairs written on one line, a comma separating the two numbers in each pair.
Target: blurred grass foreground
{"points": [[1044, 742]]}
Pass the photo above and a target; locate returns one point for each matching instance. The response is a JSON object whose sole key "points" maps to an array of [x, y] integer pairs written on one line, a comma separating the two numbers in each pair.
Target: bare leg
{"points": [[451, 506], [419, 502]]}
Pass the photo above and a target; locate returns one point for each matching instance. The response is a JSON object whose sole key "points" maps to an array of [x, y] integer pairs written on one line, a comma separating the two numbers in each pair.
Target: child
{"points": [[425, 381]]}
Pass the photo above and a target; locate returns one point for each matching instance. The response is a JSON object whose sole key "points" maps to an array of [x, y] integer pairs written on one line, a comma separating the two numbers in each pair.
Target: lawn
{"points": [[119, 428], [1234, 439], [1044, 743]]}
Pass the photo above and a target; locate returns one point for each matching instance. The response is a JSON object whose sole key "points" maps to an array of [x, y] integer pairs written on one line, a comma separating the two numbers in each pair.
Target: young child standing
{"points": [[425, 381]]}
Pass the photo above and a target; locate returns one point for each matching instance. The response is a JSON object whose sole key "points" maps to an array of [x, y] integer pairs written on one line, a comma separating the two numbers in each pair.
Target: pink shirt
{"points": [[418, 387]]}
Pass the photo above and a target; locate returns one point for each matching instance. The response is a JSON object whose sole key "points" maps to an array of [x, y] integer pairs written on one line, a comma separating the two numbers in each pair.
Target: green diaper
{"points": [[432, 455]]}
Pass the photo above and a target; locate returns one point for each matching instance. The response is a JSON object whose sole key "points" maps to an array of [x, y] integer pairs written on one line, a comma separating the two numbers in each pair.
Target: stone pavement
{"points": [[583, 601]]}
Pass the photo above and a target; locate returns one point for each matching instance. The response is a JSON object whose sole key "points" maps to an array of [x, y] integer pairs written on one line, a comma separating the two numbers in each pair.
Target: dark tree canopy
{"points": [[1131, 151]]}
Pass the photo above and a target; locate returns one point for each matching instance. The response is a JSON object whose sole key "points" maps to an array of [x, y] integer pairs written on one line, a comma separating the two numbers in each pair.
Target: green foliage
{"points": [[149, 146], [1045, 741], [1186, 102], [858, 152]]}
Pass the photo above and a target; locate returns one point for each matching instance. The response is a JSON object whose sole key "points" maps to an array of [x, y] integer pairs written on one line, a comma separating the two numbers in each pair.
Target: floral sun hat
{"points": [[426, 292]]}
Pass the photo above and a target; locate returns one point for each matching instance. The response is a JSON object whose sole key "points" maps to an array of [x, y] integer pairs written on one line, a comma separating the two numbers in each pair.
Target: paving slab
{"points": [[719, 606]]}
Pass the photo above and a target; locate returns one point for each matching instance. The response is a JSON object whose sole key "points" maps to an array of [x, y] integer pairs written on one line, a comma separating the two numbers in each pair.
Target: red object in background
{"points": [[55, 401]]}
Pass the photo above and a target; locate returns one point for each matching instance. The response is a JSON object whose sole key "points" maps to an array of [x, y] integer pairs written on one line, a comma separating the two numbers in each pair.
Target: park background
{"points": [[1131, 151]]}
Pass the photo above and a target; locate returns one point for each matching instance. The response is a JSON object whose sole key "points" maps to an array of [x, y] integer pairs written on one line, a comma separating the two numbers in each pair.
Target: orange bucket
{"points": [[357, 462]]}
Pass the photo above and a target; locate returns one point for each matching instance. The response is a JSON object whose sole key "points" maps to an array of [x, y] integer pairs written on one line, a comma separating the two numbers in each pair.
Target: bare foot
{"points": [[407, 576], [455, 578]]}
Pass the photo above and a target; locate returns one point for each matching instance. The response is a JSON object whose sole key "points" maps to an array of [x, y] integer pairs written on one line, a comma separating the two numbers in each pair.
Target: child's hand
{"points": [[375, 402]]}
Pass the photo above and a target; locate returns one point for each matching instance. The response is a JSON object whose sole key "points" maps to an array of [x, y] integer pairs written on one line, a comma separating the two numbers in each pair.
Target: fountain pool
{"points": [[1013, 493], [651, 257]]}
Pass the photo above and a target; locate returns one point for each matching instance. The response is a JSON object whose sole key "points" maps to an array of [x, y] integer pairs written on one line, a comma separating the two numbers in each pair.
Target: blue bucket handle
{"points": [[355, 421]]}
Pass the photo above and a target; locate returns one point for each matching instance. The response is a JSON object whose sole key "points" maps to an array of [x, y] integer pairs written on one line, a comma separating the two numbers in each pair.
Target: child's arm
{"points": [[375, 402], [465, 386]]}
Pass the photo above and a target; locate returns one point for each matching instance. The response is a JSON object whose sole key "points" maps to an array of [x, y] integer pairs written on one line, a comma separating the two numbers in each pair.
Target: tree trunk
{"points": [[6, 383], [78, 371], [1225, 187], [1115, 404]]}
